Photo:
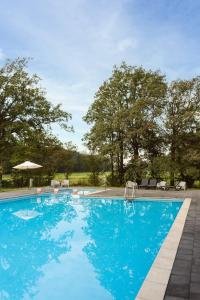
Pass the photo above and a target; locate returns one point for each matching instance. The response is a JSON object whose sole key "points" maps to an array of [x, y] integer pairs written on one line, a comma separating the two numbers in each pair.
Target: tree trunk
{"points": [[172, 162], [121, 163], [112, 167]]}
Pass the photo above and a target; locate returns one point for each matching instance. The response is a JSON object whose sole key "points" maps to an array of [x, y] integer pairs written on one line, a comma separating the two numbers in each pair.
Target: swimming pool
{"points": [[52, 247]]}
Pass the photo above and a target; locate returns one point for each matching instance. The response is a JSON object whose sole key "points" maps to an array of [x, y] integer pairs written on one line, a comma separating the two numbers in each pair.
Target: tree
{"points": [[182, 123], [66, 158], [125, 116], [24, 108]]}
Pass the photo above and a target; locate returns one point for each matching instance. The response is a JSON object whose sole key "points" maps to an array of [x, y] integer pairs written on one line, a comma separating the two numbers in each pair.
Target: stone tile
{"points": [[164, 263], [178, 287], [152, 291], [195, 288], [194, 296], [196, 269], [195, 277], [158, 275], [186, 257], [182, 251], [174, 298], [181, 267], [167, 253]]}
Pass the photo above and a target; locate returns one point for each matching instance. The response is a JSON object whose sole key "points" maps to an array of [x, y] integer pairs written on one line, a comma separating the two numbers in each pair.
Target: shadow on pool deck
{"points": [[184, 283]]}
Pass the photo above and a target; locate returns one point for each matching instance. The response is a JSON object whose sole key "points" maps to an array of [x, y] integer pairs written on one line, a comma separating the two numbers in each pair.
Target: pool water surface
{"points": [[53, 247]]}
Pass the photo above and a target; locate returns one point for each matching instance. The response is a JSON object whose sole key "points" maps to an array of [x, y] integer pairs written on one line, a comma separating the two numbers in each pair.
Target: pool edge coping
{"points": [[156, 281]]}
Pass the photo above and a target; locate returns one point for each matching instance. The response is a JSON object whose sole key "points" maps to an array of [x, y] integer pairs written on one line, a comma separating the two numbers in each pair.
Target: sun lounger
{"points": [[55, 183], [162, 185], [65, 183], [181, 186], [144, 183], [152, 183]]}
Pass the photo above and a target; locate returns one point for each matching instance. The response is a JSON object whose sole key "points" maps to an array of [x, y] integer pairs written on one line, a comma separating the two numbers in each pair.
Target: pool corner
{"points": [[155, 283]]}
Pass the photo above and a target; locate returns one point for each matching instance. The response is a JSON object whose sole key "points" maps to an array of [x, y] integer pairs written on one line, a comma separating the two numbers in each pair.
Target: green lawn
{"points": [[76, 178], [76, 175]]}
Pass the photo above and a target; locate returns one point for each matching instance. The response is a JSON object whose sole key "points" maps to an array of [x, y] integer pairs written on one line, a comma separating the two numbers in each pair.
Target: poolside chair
{"points": [[152, 183], [130, 185], [55, 191], [39, 190], [55, 183], [65, 183], [162, 185], [144, 183], [181, 186]]}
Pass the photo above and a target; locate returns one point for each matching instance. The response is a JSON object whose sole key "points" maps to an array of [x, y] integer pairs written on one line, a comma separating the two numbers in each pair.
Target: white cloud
{"points": [[127, 44], [2, 55]]}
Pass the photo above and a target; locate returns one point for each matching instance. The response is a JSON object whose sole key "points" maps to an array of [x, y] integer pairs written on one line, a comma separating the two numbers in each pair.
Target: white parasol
{"points": [[27, 165]]}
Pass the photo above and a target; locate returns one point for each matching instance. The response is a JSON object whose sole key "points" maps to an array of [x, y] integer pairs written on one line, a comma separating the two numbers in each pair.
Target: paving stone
{"points": [[174, 298], [184, 280], [195, 277], [186, 257], [194, 296], [195, 288]]}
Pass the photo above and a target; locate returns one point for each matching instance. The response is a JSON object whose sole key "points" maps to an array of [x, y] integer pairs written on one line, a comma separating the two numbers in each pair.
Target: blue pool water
{"points": [[80, 191], [54, 248]]}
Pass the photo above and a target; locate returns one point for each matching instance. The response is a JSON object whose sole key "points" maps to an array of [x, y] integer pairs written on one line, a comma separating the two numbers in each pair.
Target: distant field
{"points": [[6, 177], [77, 177]]}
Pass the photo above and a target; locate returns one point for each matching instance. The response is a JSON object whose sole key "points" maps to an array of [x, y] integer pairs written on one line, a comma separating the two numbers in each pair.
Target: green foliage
{"points": [[137, 116], [140, 126], [125, 116], [95, 169], [26, 116], [182, 127]]}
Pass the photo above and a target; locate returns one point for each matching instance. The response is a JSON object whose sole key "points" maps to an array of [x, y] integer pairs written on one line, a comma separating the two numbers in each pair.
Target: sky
{"points": [[75, 43]]}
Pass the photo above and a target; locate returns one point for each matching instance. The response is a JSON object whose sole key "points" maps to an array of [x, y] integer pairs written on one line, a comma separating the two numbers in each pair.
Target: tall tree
{"points": [[182, 121], [125, 115], [23, 106]]}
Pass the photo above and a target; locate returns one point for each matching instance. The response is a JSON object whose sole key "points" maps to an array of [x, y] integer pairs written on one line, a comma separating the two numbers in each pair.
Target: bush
{"points": [[113, 180], [18, 181], [94, 179], [6, 183]]}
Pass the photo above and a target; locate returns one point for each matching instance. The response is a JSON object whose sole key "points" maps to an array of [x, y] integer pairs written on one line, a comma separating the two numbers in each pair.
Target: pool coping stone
{"points": [[156, 281]]}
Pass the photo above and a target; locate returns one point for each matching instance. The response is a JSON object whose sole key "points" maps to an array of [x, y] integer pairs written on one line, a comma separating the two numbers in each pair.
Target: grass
{"points": [[12, 189], [76, 175], [77, 178], [6, 176]]}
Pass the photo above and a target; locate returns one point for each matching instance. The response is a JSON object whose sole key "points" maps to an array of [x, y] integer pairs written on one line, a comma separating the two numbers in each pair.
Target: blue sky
{"points": [[74, 44]]}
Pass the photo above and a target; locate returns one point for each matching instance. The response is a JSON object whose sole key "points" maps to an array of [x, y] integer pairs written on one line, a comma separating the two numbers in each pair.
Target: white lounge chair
{"points": [[39, 190], [162, 185], [65, 183], [55, 183], [181, 186]]}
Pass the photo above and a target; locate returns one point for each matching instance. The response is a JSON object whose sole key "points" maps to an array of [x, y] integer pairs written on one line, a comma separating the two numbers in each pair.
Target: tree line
{"points": [[26, 118], [141, 125], [146, 126]]}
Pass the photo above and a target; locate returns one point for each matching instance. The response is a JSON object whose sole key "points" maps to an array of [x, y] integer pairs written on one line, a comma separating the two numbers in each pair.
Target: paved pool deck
{"points": [[184, 282]]}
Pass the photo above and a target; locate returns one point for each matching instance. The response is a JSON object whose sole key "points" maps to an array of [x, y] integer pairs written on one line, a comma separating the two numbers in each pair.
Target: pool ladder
{"points": [[130, 186]]}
